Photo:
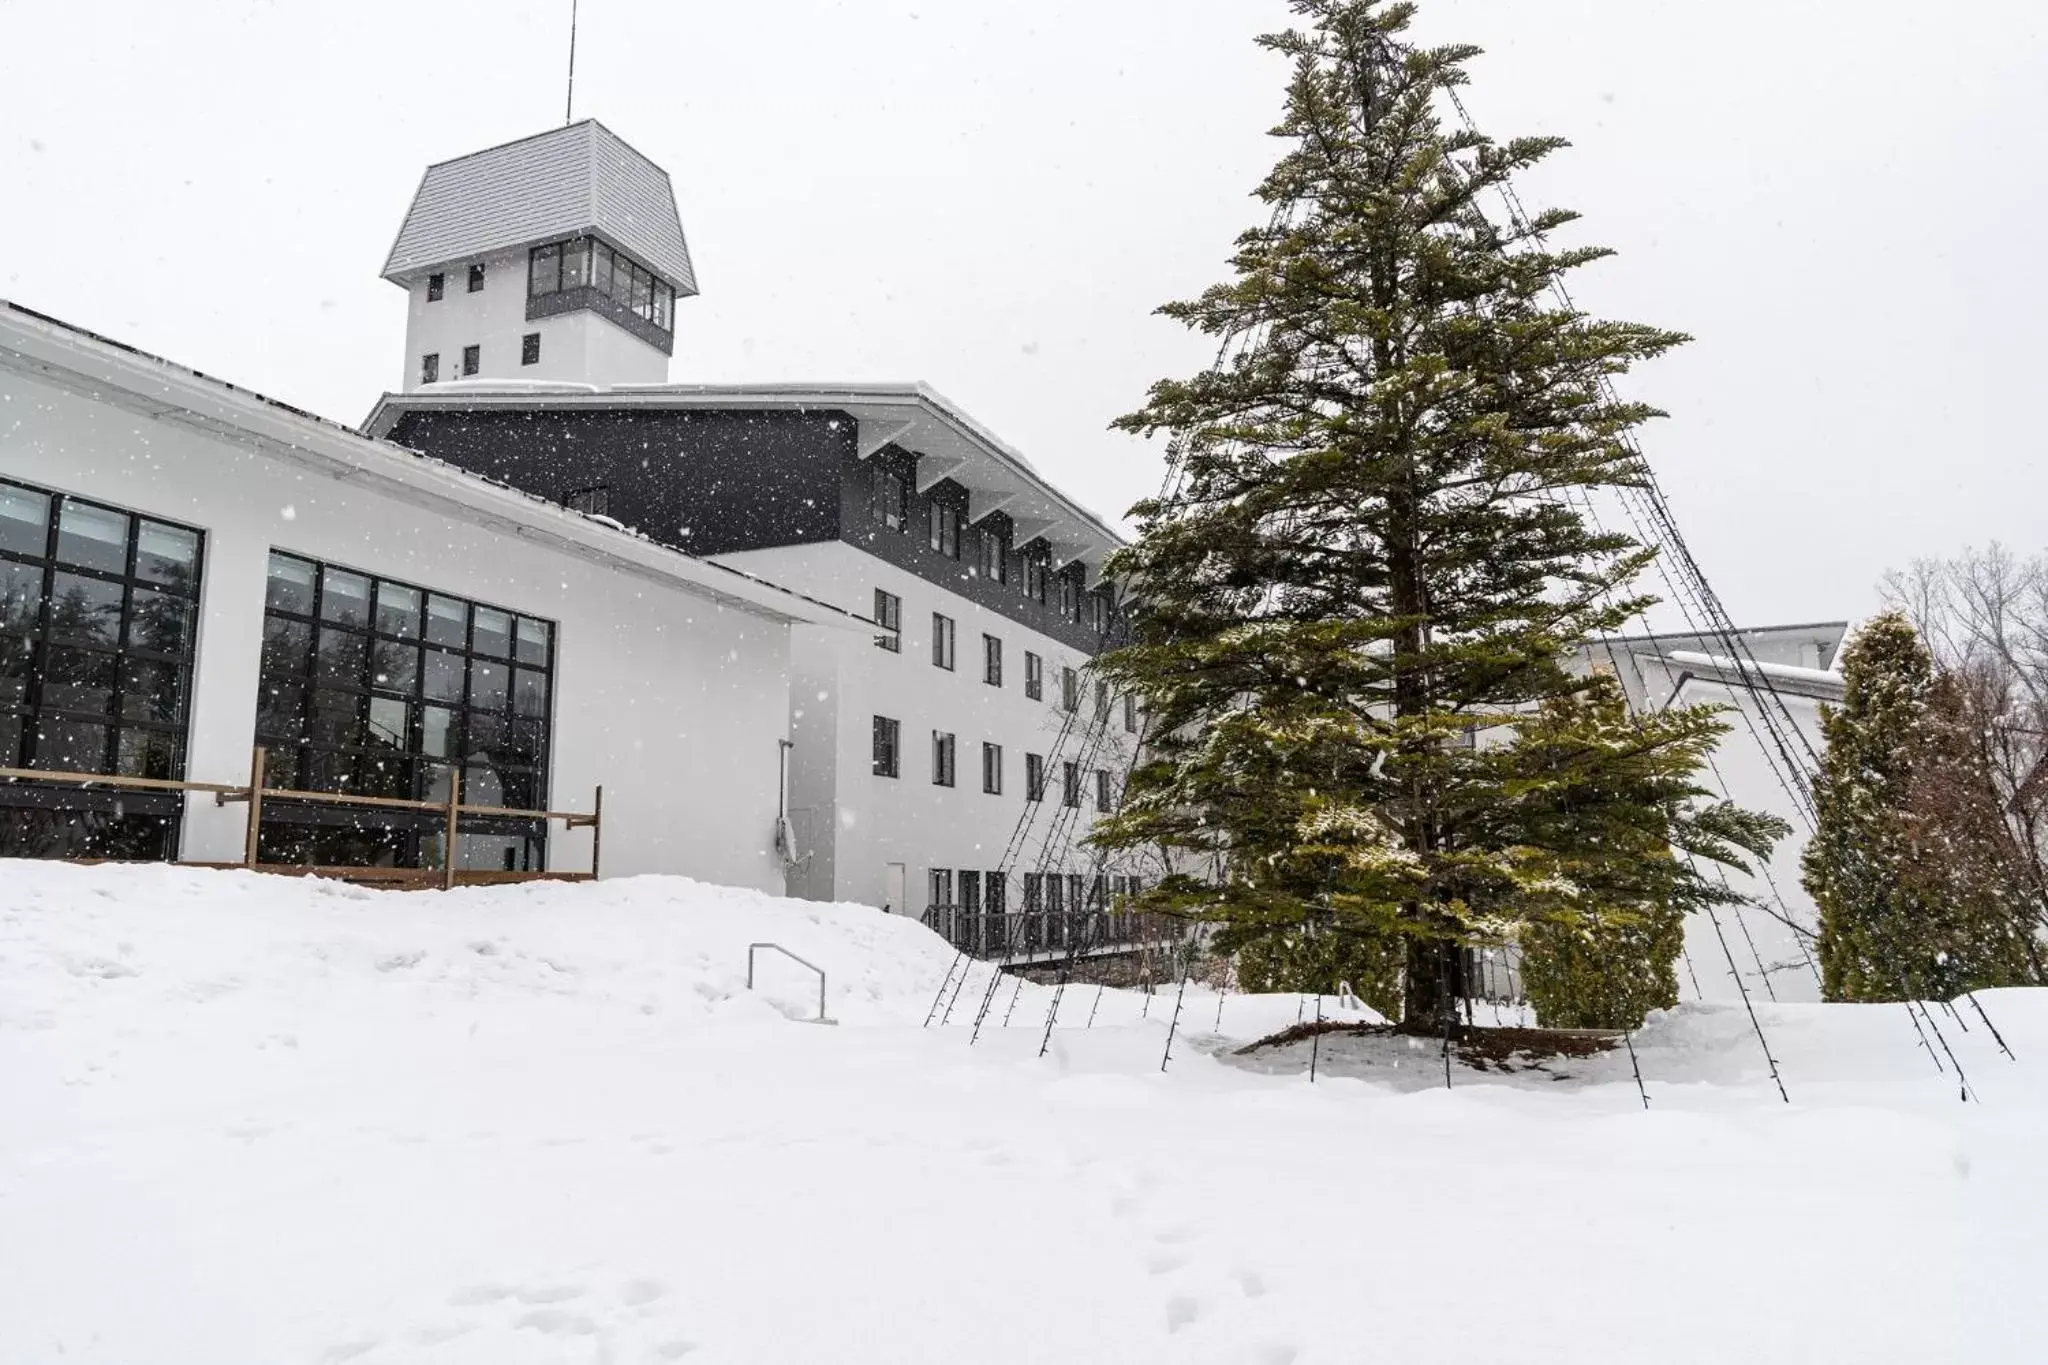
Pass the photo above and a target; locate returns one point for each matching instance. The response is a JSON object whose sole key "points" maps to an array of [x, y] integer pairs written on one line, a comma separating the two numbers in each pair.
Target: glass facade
{"points": [[585, 262], [98, 613], [373, 687]]}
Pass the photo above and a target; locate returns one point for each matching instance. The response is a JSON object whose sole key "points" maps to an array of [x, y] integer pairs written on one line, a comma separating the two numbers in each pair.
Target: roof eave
{"points": [[97, 366]]}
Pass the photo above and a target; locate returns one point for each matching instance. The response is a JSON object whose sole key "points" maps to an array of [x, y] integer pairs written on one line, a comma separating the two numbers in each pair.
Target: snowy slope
{"points": [[264, 1120]]}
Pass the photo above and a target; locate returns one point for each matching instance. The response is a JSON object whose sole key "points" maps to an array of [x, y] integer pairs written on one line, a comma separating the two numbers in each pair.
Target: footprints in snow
{"points": [[1196, 1294], [625, 1326]]}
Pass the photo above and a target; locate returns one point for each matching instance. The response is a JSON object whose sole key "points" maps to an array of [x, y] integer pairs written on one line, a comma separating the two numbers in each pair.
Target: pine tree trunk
{"points": [[1435, 985]]}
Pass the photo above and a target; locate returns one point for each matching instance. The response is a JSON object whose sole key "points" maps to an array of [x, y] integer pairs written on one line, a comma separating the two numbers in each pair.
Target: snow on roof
{"points": [[580, 179], [125, 376]]}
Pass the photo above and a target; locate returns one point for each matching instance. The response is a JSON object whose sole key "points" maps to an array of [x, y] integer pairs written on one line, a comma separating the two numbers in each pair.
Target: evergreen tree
{"points": [[1373, 570], [1918, 891]]}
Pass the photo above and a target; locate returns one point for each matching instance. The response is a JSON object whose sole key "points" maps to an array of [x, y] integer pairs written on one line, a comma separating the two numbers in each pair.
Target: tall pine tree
{"points": [[1373, 570], [1919, 894]]}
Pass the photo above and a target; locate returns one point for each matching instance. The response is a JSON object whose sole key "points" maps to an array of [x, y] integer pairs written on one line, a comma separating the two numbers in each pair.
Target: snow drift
{"points": [[255, 1119]]}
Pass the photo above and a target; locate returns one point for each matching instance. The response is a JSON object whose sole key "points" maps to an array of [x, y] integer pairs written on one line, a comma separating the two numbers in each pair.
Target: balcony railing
{"points": [[1036, 935]]}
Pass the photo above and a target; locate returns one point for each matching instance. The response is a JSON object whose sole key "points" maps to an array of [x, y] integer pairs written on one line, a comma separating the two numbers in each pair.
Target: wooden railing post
{"points": [[454, 822], [258, 763], [596, 830]]}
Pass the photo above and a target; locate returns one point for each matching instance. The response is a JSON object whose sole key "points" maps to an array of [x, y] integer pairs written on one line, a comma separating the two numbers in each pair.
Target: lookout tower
{"points": [[556, 257]]}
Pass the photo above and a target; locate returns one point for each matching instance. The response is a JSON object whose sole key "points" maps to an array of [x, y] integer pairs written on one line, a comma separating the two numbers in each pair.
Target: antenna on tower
{"points": [[569, 110]]}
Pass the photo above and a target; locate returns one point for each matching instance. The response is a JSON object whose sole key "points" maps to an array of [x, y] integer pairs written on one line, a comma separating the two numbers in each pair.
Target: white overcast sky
{"points": [[1843, 202]]}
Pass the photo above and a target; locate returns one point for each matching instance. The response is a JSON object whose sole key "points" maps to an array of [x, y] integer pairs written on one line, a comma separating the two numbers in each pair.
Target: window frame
{"points": [[430, 368], [489, 724], [991, 768], [529, 349], [992, 659], [943, 653], [126, 660], [945, 758], [1034, 676], [437, 286], [888, 747], [1034, 777], [889, 616], [1070, 784], [476, 277], [1103, 804], [472, 359]]}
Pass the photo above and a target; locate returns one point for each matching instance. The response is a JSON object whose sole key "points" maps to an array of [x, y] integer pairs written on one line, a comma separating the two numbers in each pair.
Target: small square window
{"points": [[529, 349], [430, 368], [476, 278], [472, 359], [436, 283]]}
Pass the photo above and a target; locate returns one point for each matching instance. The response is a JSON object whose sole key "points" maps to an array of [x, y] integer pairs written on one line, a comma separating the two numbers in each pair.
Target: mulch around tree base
{"points": [[1508, 1049]]}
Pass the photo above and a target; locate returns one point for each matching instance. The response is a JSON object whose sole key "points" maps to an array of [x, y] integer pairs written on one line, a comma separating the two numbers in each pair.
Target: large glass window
{"points": [[584, 262], [98, 615], [380, 688]]}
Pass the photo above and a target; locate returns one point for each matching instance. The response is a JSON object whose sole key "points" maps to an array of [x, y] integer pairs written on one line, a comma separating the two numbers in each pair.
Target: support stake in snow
{"points": [[1971, 996]]}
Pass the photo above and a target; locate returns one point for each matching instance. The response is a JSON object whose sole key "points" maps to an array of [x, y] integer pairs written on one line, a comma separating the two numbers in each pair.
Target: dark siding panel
{"points": [[708, 482], [911, 549]]}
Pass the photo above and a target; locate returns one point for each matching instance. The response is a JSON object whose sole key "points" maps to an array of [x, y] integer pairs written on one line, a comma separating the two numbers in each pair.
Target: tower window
{"points": [[472, 359], [529, 349], [435, 284], [430, 368]]}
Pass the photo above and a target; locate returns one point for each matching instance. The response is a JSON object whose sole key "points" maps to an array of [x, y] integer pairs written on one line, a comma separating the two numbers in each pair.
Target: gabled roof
{"points": [[117, 374], [582, 178]]}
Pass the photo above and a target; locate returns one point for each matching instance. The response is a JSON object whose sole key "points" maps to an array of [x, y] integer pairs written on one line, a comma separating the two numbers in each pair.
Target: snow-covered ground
{"points": [[254, 1119]]}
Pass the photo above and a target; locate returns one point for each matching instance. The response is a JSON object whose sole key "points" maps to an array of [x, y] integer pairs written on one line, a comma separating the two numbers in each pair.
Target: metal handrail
{"points": [[753, 948]]}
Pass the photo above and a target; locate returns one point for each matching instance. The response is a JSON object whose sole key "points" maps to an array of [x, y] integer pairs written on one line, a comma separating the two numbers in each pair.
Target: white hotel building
{"points": [[543, 566]]}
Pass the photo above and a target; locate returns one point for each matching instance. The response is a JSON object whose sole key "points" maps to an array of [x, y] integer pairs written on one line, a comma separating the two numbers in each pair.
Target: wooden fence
{"points": [[254, 792]]}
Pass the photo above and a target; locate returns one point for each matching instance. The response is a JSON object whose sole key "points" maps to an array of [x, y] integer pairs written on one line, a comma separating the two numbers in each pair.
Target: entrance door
{"points": [[892, 888]]}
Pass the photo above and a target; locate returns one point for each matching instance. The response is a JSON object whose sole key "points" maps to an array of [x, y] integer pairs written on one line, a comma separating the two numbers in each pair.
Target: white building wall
{"points": [[674, 703], [862, 823], [1742, 773], [578, 347]]}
